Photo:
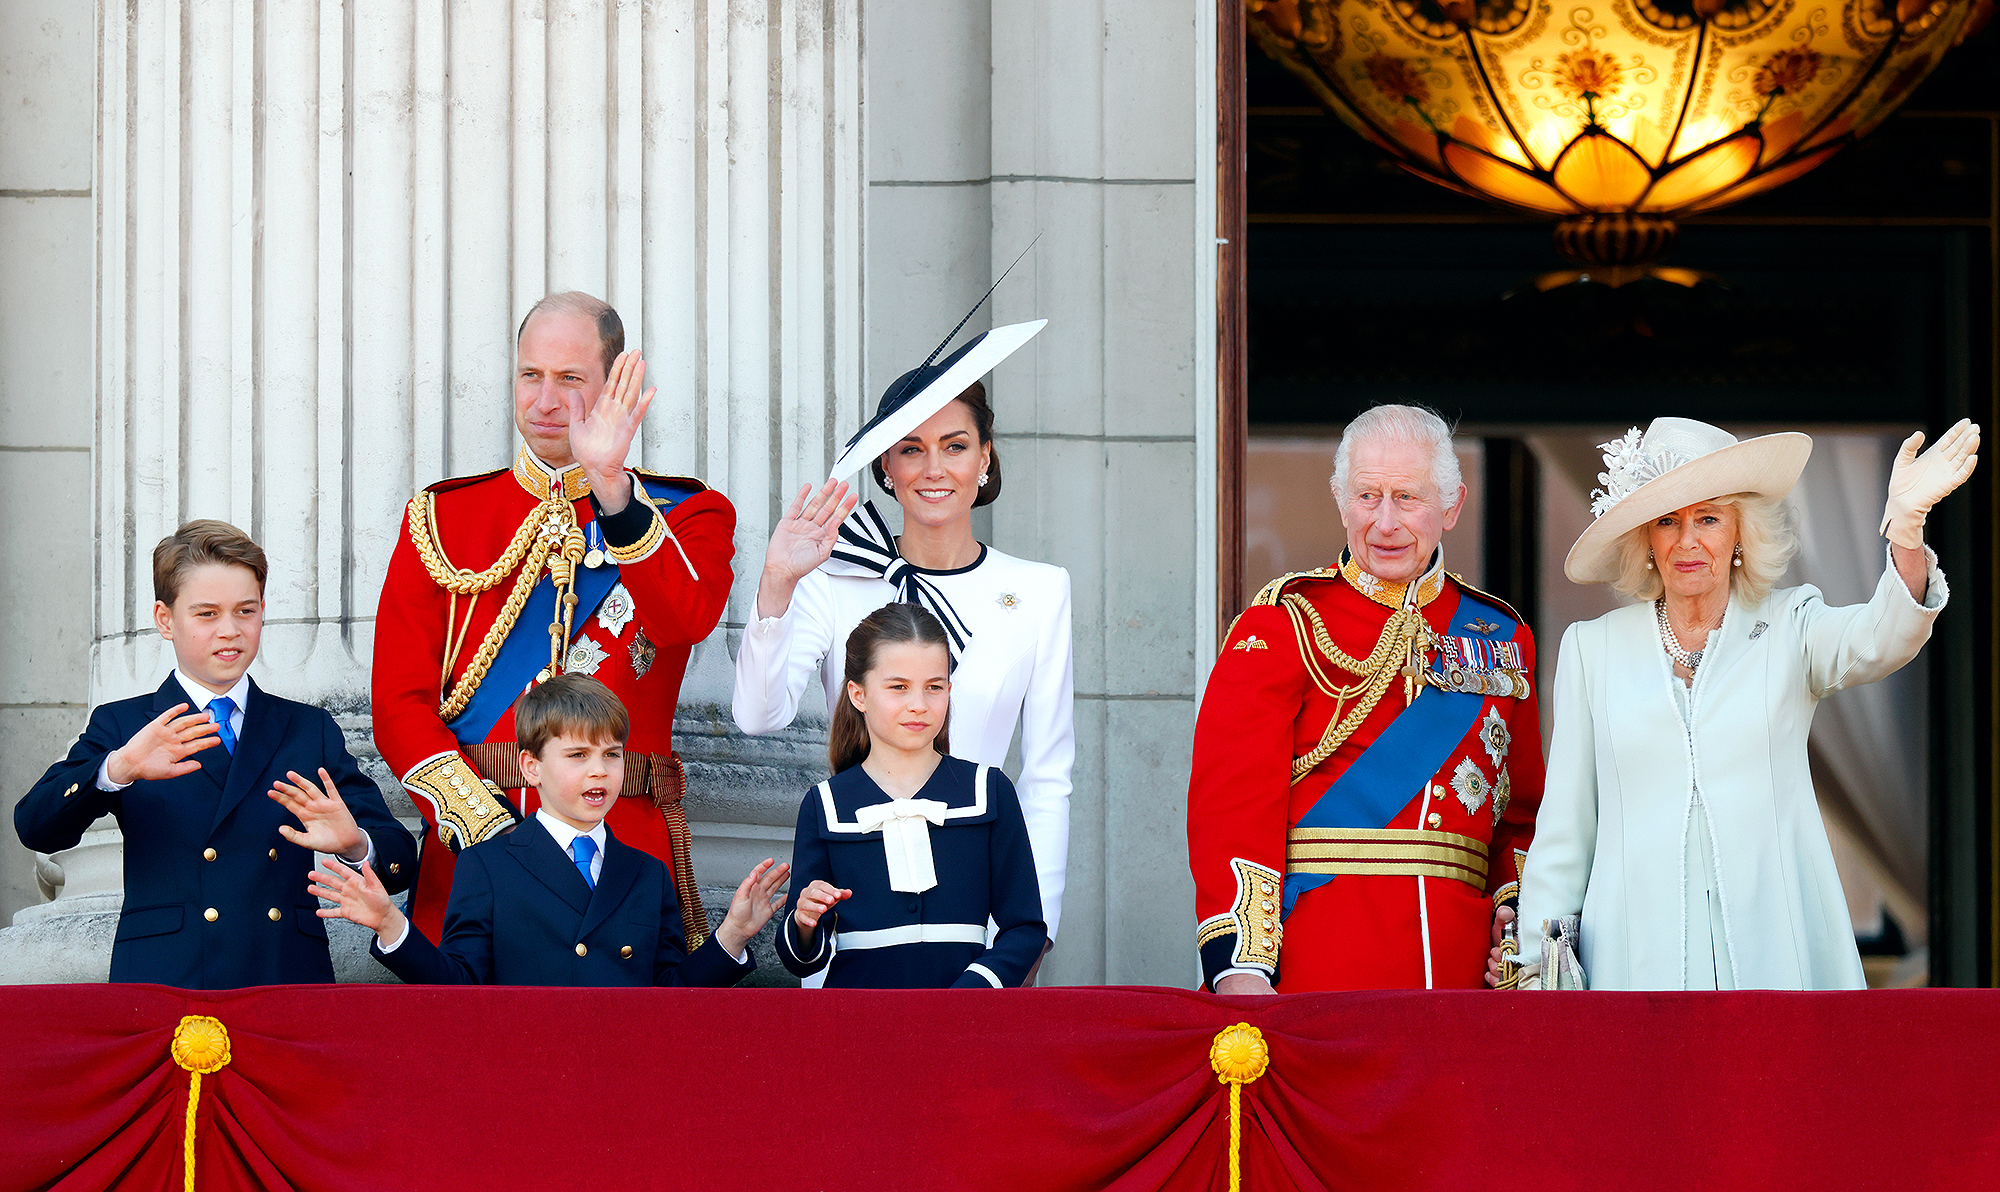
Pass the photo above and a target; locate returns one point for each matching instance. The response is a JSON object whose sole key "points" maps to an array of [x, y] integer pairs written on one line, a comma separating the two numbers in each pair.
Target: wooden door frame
{"points": [[1232, 357]]}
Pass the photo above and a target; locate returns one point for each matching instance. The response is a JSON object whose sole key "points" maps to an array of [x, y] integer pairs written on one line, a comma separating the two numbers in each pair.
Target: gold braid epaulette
{"points": [[1353, 702], [545, 530]]}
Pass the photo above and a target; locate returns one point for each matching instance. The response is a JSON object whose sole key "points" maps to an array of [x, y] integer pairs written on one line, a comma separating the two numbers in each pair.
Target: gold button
{"points": [[626, 951], [274, 854], [211, 914], [1436, 819], [582, 951], [395, 867], [208, 854], [275, 915]]}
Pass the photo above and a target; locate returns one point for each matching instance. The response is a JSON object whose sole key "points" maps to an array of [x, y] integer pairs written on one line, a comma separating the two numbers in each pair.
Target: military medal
{"points": [[643, 651], [594, 557], [615, 611]]}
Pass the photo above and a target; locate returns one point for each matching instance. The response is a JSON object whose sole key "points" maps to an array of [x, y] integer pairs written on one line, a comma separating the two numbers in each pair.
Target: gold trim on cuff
{"points": [[469, 808], [656, 530], [1260, 930]]}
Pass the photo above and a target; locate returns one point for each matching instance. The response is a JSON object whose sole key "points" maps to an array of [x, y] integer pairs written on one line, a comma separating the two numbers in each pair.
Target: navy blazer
{"points": [[215, 898], [521, 914], [889, 939]]}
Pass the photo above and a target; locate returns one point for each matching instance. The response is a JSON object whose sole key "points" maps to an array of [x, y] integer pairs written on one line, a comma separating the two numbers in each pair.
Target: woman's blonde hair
{"points": [[1764, 529]]}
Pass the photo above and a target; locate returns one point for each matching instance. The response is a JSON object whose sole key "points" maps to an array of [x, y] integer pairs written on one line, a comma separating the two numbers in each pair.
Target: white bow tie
{"points": [[906, 839]]}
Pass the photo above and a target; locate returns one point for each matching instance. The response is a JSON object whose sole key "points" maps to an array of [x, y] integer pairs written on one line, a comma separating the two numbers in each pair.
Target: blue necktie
{"points": [[583, 848], [221, 708]]}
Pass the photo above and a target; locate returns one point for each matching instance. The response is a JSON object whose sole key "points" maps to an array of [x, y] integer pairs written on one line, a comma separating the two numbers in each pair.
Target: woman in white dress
{"points": [[1009, 618], [1679, 820]]}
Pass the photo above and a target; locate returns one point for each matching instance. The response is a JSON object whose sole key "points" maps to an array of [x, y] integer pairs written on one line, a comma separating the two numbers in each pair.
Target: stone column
{"points": [[319, 223], [1089, 123]]}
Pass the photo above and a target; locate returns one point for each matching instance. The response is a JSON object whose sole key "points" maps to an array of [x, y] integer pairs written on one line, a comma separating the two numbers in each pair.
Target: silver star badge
{"points": [[615, 613]]}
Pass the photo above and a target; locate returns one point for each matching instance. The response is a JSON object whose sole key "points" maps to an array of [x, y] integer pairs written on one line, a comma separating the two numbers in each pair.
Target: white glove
{"points": [[1917, 482]]}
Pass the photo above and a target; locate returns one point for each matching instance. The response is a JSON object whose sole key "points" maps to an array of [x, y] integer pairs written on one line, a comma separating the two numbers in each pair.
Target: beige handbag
{"points": [[1558, 966]]}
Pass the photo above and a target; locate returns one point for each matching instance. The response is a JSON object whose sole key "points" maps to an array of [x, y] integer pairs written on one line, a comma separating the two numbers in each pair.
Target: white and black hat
{"points": [[913, 397]]}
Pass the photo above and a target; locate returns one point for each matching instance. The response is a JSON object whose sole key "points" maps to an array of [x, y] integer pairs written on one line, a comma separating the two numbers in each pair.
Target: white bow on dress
{"points": [[906, 839]]}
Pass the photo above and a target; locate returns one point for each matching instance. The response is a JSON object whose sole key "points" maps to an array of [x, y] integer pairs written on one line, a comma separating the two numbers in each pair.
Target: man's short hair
{"points": [[198, 543], [569, 706], [610, 329]]}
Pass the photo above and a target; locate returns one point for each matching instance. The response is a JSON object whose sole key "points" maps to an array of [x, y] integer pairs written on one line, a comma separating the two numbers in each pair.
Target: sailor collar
{"points": [[1390, 593], [843, 796], [541, 478]]}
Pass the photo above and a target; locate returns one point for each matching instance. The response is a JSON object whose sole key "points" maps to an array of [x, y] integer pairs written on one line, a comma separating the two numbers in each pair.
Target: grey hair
{"points": [[1419, 426], [1766, 529]]}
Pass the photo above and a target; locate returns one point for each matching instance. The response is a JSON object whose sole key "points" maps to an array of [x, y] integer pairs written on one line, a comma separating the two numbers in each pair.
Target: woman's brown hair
{"points": [[892, 624], [982, 421]]}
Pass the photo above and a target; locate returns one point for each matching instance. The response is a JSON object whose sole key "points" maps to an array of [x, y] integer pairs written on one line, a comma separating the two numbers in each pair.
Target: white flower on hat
{"points": [[1626, 467]]}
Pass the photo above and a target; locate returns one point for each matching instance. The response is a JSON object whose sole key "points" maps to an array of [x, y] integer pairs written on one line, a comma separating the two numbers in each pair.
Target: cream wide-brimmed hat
{"points": [[1678, 462]]}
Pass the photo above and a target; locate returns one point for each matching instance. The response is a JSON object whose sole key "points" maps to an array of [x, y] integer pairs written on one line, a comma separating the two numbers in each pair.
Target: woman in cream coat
{"points": [[1679, 817]]}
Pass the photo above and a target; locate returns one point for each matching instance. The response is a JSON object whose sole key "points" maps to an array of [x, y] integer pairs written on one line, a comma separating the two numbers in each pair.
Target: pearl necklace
{"points": [[1687, 658]]}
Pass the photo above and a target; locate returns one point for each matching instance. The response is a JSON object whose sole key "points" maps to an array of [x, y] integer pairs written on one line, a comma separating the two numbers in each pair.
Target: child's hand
{"points": [[164, 748], [757, 899], [358, 898], [329, 825], [818, 899]]}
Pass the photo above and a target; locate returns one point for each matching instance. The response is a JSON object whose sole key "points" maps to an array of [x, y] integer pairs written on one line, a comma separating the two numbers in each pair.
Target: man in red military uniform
{"points": [[567, 561], [1368, 759]]}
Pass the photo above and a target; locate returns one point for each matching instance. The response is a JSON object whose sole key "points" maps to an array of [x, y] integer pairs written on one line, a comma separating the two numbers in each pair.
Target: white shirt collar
{"points": [[564, 834], [199, 697]]}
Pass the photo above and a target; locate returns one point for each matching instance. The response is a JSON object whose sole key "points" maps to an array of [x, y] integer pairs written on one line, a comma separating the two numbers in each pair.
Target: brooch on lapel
{"points": [[1757, 630], [1008, 600]]}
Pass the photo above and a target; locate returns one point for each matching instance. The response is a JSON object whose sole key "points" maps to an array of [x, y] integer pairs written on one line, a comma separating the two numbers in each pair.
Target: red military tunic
{"points": [[1389, 879], [673, 582]]}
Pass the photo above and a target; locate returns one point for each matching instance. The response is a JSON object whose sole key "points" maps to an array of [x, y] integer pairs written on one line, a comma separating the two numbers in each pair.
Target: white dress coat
{"points": [[1628, 772], [1018, 668]]}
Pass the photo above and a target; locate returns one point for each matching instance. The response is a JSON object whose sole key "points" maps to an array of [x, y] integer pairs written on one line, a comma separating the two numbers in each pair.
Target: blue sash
{"points": [[526, 650], [1389, 773]]}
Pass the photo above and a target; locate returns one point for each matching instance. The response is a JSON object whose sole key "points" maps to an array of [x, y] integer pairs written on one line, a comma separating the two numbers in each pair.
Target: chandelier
{"points": [[1616, 115]]}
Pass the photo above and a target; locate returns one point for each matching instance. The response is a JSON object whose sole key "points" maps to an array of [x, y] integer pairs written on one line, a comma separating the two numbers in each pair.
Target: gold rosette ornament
{"points": [[201, 1045], [1239, 1055]]}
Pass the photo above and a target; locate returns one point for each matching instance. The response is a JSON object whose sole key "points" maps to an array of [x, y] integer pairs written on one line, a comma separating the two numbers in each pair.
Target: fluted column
{"points": [[319, 223]]}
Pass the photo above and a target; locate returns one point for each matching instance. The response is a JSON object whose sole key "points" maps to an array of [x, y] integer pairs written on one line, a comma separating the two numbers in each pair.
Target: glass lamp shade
{"points": [[1616, 115]]}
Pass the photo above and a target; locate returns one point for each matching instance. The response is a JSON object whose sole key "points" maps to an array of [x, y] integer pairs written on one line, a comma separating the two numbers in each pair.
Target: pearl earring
{"points": [[1738, 560], [888, 485], [1649, 560], [982, 480]]}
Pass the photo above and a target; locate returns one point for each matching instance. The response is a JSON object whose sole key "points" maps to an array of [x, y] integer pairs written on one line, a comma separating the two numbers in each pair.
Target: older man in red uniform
{"points": [[565, 562], [1368, 760]]}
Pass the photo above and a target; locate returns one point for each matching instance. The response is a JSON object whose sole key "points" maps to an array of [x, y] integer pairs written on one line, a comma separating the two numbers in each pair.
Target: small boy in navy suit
{"points": [[559, 900], [212, 868]]}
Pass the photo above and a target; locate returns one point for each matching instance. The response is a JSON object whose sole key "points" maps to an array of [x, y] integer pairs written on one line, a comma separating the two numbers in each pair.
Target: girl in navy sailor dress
{"points": [[903, 856]]}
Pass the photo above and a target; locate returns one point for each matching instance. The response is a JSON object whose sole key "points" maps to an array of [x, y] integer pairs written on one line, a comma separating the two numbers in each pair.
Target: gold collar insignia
{"points": [[1392, 594], [540, 479]]}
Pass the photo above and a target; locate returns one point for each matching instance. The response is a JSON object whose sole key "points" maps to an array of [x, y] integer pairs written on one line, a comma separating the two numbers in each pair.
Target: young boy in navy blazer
{"points": [[559, 900], [213, 898]]}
